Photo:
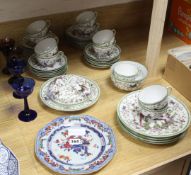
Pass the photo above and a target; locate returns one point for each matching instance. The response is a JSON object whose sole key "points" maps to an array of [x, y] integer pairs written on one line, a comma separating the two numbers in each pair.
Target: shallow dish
{"points": [[74, 102], [75, 145]]}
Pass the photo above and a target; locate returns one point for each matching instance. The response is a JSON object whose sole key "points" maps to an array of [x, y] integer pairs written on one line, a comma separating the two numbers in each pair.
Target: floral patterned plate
{"points": [[8, 162], [69, 93], [173, 122], [149, 140], [75, 145]]}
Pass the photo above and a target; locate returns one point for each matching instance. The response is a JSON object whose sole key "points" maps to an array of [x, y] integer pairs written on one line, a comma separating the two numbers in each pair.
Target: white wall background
{"points": [[20, 9]]}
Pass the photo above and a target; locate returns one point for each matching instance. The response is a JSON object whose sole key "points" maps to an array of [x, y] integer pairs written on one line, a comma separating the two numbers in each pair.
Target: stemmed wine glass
{"points": [[23, 87], [6, 46]]}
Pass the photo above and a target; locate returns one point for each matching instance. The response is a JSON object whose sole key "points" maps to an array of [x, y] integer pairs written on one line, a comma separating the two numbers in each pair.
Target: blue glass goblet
{"points": [[23, 87], [6, 46]]}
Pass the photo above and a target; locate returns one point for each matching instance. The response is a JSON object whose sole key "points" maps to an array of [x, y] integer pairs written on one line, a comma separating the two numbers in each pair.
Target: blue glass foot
{"points": [[27, 116], [16, 96]]}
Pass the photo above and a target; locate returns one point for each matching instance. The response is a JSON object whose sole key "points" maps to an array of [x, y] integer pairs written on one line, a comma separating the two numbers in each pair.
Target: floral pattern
{"points": [[8, 162], [72, 104], [175, 120], [75, 145]]}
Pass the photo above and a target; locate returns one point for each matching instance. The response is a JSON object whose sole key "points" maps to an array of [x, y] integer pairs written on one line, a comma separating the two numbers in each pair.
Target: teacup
{"points": [[125, 71], [154, 98], [104, 41], [49, 61], [46, 48], [37, 29], [86, 19]]}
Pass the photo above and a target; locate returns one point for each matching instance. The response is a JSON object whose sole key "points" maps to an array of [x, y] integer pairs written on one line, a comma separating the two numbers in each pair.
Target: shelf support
{"points": [[155, 36]]}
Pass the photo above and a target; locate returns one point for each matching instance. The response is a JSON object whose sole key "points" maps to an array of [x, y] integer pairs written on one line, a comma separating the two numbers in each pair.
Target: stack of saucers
{"points": [[128, 75], [37, 31], [81, 33], [153, 116], [47, 61], [103, 52]]}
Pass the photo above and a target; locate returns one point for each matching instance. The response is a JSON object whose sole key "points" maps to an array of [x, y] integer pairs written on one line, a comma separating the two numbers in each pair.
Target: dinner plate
{"points": [[173, 122], [75, 145]]}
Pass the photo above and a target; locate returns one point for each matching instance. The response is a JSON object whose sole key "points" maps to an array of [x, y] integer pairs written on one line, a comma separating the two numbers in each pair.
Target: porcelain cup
{"points": [[86, 19], [37, 29], [46, 48], [48, 62], [125, 71], [104, 41], [154, 98]]}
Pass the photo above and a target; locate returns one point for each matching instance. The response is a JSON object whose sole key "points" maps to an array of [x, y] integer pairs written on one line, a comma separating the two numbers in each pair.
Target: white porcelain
{"points": [[154, 97], [50, 61], [38, 28], [86, 18], [46, 48], [104, 38]]}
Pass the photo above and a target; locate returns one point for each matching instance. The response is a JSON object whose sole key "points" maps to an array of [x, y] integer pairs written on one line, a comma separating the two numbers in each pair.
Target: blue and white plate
{"points": [[75, 145], [8, 162]]}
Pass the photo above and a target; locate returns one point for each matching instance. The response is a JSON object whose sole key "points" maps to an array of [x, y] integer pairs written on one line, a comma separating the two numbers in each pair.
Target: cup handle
{"points": [[95, 14], [114, 31], [48, 23], [169, 90]]}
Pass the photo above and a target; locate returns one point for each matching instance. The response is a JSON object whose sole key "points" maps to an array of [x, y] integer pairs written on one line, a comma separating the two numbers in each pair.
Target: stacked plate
{"points": [[69, 93], [170, 127], [128, 75], [104, 61], [75, 145], [46, 72]]}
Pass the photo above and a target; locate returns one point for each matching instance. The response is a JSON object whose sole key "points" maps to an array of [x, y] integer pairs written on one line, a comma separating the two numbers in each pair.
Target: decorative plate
{"points": [[8, 162], [174, 121], [89, 52], [69, 93], [75, 145], [62, 61]]}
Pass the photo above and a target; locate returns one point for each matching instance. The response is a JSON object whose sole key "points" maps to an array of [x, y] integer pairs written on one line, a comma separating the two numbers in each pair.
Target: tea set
{"points": [[103, 51], [47, 61], [82, 144], [37, 31], [80, 33]]}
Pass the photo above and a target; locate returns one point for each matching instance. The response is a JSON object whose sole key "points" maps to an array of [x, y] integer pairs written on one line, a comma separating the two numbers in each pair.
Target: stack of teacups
{"points": [[103, 52], [37, 31], [153, 116], [85, 27], [128, 75], [47, 61]]}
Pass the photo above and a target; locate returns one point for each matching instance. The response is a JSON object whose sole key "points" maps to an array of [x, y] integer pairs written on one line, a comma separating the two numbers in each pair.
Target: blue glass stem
{"points": [[26, 105]]}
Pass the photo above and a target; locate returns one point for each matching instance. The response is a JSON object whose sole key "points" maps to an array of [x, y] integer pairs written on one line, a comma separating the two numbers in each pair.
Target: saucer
{"points": [[174, 121], [29, 44], [76, 35]]}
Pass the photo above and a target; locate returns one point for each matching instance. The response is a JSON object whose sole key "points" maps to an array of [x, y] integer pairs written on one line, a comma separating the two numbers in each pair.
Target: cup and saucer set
{"points": [[47, 61], [153, 116], [103, 51], [128, 75], [37, 31], [81, 33]]}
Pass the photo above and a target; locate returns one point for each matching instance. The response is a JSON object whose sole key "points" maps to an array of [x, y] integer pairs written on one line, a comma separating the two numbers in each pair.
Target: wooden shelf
{"points": [[133, 157]]}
